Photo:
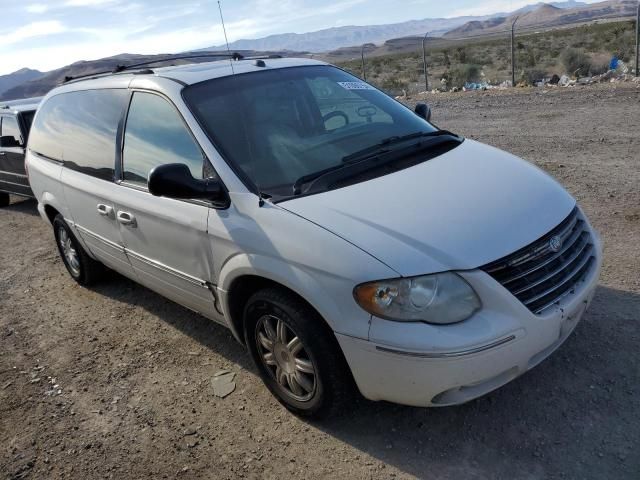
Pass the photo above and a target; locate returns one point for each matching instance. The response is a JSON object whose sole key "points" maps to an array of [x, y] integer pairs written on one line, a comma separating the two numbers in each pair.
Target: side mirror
{"points": [[174, 180], [9, 141], [423, 111]]}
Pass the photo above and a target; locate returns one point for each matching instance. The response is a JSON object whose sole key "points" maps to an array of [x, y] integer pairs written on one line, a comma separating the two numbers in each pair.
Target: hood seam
{"points": [[343, 238]]}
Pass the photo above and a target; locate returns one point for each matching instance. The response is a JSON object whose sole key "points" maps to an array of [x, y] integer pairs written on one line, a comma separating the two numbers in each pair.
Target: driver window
{"points": [[341, 107], [10, 129], [156, 135]]}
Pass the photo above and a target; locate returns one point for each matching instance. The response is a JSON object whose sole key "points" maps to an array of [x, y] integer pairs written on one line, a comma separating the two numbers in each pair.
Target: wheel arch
{"points": [[49, 205], [244, 275], [51, 212]]}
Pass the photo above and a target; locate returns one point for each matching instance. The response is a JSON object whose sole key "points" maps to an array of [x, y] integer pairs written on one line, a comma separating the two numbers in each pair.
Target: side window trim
{"points": [[118, 172]]}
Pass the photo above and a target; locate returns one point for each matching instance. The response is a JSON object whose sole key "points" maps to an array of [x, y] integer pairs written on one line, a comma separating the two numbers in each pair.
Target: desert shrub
{"points": [[462, 74], [598, 68], [460, 55], [575, 61], [526, 58], [446, 61], [394, 85], [533, 75]]}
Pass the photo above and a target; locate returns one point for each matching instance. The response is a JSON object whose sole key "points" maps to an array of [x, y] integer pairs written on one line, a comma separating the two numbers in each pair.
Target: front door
{"points": [[166, 240]]}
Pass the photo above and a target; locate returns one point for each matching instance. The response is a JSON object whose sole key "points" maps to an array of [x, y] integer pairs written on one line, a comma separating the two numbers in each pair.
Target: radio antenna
{"points": [[225, 38]]}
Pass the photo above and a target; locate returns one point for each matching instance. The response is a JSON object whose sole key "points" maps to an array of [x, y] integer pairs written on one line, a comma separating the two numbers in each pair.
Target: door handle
{"points": [[126, 218], [105, 210]]}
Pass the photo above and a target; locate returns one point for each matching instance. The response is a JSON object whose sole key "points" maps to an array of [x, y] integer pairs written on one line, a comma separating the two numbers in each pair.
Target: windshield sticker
{"points": [[355, 86]]}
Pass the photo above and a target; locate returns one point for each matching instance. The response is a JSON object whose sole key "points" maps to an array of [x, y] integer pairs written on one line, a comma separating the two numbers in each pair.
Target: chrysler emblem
{"points": [[555, 244]]}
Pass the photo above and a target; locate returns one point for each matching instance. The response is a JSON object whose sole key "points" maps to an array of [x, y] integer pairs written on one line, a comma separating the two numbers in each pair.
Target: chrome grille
{"points": [[540, 276]]}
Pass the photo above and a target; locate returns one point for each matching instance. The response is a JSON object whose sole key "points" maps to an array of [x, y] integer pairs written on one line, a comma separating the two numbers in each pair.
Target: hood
{"points": [[459, 211]]}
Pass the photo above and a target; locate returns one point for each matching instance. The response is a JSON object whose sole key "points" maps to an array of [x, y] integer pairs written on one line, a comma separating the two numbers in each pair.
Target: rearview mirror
{"points": [[9, 141], [174, 180], [423, 111]]}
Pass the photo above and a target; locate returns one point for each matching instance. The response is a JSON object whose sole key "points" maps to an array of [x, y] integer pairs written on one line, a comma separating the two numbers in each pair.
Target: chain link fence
{"points": [[527, 55]]}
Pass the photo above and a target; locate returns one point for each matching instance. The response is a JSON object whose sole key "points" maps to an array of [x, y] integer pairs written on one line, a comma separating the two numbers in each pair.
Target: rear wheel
{"points": [[82, 268], [5, 200], [296, 354]]}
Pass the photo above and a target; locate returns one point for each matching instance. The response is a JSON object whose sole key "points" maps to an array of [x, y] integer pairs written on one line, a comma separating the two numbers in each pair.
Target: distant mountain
{"points": [[18, 77], [545, 15], [45, 82], [337, 37], [347, 36], [340, 43], [42, 84], [564, 5]]}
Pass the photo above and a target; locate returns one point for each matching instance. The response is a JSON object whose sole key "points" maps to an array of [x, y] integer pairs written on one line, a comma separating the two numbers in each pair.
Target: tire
{"points": [[5, 200], [82, 268], [329, 388]]}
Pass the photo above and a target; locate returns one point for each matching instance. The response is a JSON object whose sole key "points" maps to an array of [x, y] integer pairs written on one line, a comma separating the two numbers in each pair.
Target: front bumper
{"points": [[428, 365]]}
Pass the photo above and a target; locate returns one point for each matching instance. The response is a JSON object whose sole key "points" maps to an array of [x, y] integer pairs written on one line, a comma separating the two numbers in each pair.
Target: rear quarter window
{"points": [[79, 129]]}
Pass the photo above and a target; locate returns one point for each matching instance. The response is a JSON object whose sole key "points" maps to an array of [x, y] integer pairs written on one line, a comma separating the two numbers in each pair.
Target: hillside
{"points": [[19, 77], [338, 37], [343, 43], [547, 15], [397, 66], [41, 85]]}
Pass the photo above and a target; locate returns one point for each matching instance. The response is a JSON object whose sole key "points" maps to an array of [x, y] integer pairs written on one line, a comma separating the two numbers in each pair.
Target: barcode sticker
{"points": [[356, 86]]}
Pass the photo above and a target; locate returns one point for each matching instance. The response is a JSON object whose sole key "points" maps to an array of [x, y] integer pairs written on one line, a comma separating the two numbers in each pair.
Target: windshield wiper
{"points": [[384, 145], [313, 176], [387, 151]]}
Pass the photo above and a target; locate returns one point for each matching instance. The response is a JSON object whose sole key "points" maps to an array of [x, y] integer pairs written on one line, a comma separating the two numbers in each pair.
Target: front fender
{"points": [[319, 290]]}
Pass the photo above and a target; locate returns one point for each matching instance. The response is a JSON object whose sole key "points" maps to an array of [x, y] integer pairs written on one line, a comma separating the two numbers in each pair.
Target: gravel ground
{"points": [[115, 381]]}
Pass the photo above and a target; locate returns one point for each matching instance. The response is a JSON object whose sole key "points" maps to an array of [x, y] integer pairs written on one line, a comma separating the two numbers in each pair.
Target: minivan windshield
{"points": [[281, 126]]}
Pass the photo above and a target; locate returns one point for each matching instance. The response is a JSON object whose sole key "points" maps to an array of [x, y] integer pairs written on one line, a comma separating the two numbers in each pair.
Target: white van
{"points": [[344, 239]]}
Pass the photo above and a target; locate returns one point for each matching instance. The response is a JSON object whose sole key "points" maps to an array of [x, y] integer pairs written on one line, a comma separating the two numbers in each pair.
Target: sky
{"points": [[48, 34]]}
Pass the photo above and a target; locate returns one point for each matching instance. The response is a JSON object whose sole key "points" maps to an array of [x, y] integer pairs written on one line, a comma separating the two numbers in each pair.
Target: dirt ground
{"points": [[115, 381]]}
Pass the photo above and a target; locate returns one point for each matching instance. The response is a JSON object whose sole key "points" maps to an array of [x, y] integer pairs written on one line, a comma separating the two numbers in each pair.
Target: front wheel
{"points": [[5, 200], [296, 354]]}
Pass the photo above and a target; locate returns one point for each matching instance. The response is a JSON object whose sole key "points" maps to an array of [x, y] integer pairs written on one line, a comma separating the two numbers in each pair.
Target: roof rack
{"points": [[19, 103], [122, 68]]}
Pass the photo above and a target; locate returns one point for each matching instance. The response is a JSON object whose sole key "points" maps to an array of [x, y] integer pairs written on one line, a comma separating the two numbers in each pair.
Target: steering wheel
{"points": [[334, 114]]}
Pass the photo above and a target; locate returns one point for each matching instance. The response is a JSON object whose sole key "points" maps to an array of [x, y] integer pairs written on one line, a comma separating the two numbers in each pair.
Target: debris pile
{"points": [[618, 72]]}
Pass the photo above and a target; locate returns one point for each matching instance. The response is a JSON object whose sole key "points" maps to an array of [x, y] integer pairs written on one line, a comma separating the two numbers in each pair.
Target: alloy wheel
{"points": [[69, 251], [284, 356]]}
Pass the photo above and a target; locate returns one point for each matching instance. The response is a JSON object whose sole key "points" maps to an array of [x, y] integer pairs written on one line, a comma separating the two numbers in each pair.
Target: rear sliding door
{"points": [[80, 129]]}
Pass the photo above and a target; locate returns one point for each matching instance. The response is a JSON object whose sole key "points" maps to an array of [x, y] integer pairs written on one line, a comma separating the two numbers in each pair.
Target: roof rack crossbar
{"points": [[121, 68], [69, 78], [233, 56]]}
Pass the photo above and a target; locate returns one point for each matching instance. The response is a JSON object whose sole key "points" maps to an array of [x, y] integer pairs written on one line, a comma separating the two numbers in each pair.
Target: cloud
{"points": [[35, 29], [89, 3], [37, 8]]}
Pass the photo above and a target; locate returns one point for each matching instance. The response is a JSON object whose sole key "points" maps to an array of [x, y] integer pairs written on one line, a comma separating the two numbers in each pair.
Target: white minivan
{"points": [[343, 238]]}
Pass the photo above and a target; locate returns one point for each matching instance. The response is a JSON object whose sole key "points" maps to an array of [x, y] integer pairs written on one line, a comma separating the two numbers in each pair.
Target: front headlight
{"points": [[442, 298]]}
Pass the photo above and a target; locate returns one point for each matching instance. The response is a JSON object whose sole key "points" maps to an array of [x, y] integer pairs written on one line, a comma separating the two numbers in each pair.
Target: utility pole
{"points": [[638, 40], [513, 52], [364, 68], [424, 61]]}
